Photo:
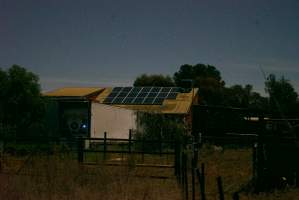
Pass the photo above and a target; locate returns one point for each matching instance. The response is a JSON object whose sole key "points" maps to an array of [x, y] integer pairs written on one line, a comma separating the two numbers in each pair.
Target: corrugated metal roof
{"points": [[73, 92], [180, 105]]}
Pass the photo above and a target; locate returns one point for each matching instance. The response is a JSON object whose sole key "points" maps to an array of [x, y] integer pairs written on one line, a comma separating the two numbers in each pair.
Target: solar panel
{"points": [[128, 100], [118, 100], [155, 89], [166, 89], [132, 94], [162, 94], [122, 94], [138, 101], [152, 94], [141, 95], [136, 89], [148, 100], [146, 89]]}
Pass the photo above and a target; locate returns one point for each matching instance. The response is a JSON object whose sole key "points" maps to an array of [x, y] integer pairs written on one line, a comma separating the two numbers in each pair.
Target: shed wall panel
{"points": [[115, 121]]}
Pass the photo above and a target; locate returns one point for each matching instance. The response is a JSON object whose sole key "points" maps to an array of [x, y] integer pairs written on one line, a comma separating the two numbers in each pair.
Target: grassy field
{"points": [[59, 176], [234, 165]]}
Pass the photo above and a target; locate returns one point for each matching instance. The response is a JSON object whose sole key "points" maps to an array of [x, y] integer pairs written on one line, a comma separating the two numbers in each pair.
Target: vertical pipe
{"points": [[130, 140], [186, 176], [236, 196], [80, 149], [220, 188], [105, 145], [203, 179], [193, 182]]}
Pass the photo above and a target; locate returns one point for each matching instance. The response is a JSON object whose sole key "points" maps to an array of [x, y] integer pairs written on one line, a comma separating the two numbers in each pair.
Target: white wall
{"points": [[115, 121]]}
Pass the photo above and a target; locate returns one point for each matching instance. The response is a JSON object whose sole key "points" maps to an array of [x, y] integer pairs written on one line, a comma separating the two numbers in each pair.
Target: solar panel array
{"points": [[141, 95]]}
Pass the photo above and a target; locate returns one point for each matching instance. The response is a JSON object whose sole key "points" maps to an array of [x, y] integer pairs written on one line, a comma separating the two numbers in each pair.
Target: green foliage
{"points": [[154, 80], [160, 127], [244, 97], [283, 98], [198, 71], [21, 103], [205, 77]]}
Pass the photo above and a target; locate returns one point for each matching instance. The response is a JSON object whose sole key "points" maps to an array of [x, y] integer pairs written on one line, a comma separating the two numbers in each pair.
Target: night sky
{"points": [[110, 42]]}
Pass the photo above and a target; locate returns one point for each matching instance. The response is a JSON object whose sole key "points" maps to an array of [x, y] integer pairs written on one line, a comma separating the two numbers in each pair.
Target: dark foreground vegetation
{"points": [[59, 176]]}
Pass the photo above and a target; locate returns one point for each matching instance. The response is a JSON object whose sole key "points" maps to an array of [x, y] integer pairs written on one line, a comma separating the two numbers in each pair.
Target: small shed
{"points": [[90, 112]]}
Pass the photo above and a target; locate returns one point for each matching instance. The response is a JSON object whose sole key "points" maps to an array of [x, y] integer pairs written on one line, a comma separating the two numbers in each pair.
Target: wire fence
{"points": [[182, 158]]}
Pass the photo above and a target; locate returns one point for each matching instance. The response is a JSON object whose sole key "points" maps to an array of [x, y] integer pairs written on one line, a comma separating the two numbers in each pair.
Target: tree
{"points": [[154, 80], [22, 103], [205, 77], [3, 85], [283, 98], [244, 97]]}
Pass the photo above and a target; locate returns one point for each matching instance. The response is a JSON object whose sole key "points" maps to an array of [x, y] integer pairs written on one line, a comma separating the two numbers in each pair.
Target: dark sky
{"points": [[110, 42]]}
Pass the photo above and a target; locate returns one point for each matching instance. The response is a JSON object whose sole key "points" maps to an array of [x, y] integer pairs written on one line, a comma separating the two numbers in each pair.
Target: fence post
{"points": [[142, 149], [194, 164], [236, 196], [193, 182], [80, 149], [201, 180], [177, 160], [220, 188], [186, 176], [2, 144], [254, 162], [105, 145], [130, 141], [1, 162]]}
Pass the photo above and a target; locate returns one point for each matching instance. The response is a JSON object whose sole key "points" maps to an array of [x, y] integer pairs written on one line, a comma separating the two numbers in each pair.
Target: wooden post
{"points": [[254, 162], [260, 166], [1, 154], [182, 174], [130, 141], [194, 165], [236, 196], [201, 180], [105, 145], [1, 166], [186, 176], [160, 145], [142, 143], [176, 160], [193, 183], [80, 149], [220, 188]]}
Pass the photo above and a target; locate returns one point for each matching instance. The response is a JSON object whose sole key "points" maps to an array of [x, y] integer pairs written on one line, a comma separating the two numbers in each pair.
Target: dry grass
{"points": [[233, 165], [62, 178], [235, 168]]}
